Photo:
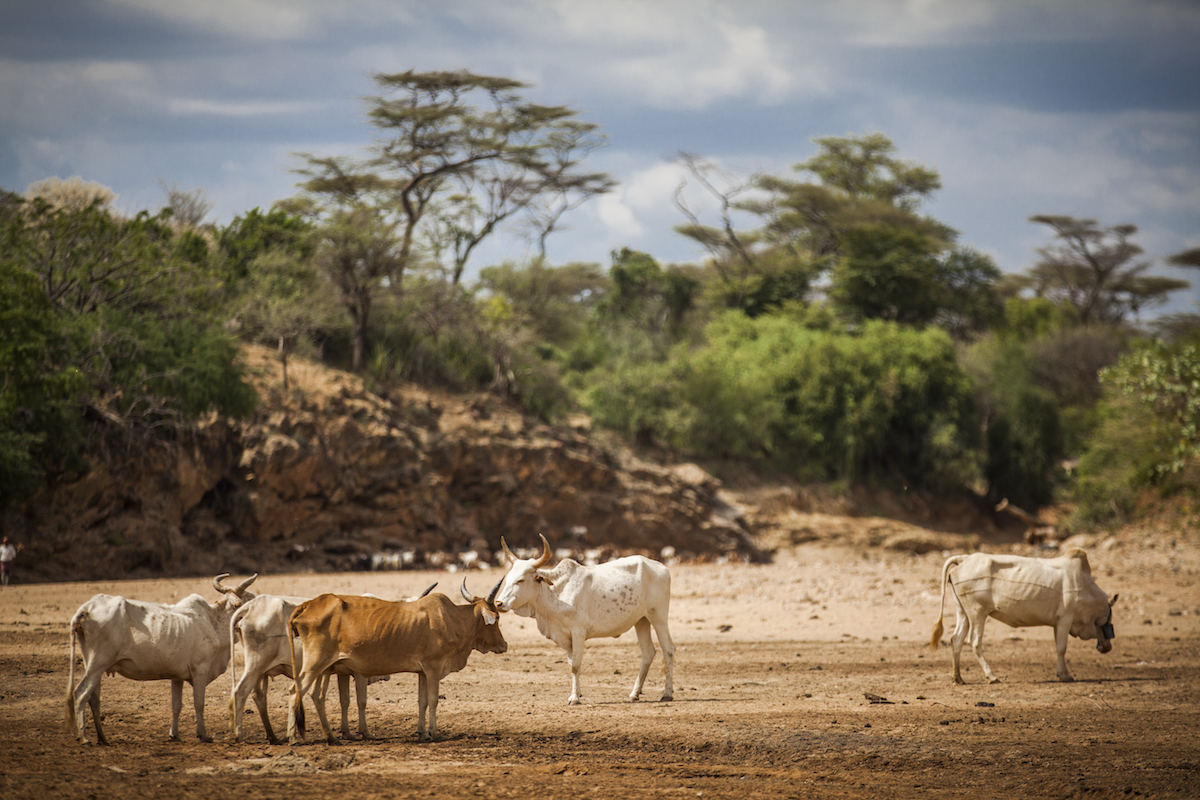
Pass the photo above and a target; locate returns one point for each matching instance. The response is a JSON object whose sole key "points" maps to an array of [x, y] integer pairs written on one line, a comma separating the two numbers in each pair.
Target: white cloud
{"points": [[652, 188], [618, 218], [668, 54]]}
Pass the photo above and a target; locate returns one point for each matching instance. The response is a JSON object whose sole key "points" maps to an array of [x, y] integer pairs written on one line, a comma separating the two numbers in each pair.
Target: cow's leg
{"points": [[176, 707], [303, 684], [320, 689], [962, 624], [646, 644], [237, 701], [260, 700], [976, 637], [432, 683], [1062, 634], [94, 704], [87, 694], [668, 647], [575, 659], [360, 692], [198, 701], [295, 718], [344, 702], [422, 703]]}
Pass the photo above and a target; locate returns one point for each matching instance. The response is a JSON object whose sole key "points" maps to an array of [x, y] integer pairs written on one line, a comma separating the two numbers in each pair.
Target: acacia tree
{"points": [[477, 140], [460, 155], [1097, 271], [856, 189], [538, 188]]}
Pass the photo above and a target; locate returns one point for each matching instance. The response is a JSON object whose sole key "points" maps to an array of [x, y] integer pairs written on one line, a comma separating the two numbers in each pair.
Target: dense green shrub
{"points": [[883, 401], [105, 313], [1021, 420]]}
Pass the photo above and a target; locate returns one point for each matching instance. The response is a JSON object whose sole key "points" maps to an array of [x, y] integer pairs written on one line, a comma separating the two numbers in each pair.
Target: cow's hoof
{"points": [[1066, 679], [205, 739], [174, 739], [994, 680], [666, 698]]}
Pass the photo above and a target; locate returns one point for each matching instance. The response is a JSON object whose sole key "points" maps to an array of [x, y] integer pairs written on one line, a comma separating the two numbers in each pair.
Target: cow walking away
{"points": [[261, 625], [184, 642], [573, 603], [1024, 592], [431, 636]]}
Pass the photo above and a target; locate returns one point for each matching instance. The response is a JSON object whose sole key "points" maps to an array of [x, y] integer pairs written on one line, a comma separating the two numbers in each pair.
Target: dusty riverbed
{"points": [[773, 671]]}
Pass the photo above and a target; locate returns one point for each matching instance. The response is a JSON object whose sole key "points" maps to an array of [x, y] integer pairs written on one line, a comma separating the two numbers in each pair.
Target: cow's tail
{"points": [[936, 638], [233, 631], [297, 700], [76, 621]]}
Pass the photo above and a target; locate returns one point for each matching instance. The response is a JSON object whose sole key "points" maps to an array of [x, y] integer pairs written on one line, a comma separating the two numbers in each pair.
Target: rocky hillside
{"points": [[328, 475]]}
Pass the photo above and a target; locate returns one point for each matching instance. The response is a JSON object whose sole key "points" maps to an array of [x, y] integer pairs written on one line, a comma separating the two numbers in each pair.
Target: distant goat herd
{"points": [[366, 638]]}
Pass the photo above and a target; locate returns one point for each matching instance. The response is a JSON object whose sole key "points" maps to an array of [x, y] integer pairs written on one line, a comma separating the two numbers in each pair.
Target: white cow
{"points": [[261, 625], [1025, 592], [151, 642], [573, 603]]}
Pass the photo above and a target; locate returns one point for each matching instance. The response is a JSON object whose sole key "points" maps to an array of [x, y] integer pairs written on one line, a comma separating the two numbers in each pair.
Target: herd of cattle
{"points": [[366, 638]]}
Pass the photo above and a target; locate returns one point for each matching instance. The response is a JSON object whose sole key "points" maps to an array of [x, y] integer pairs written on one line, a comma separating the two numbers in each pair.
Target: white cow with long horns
{"points": [[187, 641], [573, 603]]}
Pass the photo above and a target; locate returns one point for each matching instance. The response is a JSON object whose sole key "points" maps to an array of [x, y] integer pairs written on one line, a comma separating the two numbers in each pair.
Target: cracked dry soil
{"points": [[775, 673]]}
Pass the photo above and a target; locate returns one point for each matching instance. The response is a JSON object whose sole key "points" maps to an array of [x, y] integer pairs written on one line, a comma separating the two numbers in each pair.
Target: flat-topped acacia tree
{"points": [[459, 155]]}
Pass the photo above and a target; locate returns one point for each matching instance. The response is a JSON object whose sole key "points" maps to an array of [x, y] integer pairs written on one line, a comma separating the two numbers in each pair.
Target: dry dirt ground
{"points": [[773, 671]]}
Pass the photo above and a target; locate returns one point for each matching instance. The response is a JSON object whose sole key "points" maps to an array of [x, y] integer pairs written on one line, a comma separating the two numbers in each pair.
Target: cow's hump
{"points": [[1082, 558]]}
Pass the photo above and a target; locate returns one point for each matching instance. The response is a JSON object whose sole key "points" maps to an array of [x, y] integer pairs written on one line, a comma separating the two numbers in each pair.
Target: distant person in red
{"points": [[8, 554]]}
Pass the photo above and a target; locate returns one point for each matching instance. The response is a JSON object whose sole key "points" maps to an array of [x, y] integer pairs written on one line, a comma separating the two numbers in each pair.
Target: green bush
{"points": [[1022, 420], [884, 401], [104, 313]]}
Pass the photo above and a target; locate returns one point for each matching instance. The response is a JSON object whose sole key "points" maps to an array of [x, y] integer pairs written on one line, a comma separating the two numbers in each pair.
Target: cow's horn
{"points": [[491, 598], [217, 582], [432, 586], [507, 553], [241, 587], [469, 597], [545, 556]]}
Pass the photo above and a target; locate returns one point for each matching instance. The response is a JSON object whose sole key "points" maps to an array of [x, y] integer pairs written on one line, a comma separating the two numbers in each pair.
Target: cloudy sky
{"points": [[1083, 107]]}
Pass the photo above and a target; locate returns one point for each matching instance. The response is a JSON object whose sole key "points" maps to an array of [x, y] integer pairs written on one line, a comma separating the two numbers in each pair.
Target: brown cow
{"points": [[431, 636]]}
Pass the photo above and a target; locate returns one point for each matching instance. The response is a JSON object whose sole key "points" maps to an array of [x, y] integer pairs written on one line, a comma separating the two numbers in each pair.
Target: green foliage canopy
{"points": [[103, 314]]}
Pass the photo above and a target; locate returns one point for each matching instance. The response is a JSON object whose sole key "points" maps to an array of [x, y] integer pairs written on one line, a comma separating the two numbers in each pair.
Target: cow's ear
{"points": [[543, 579], [490, 617], [1113, 601]]}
